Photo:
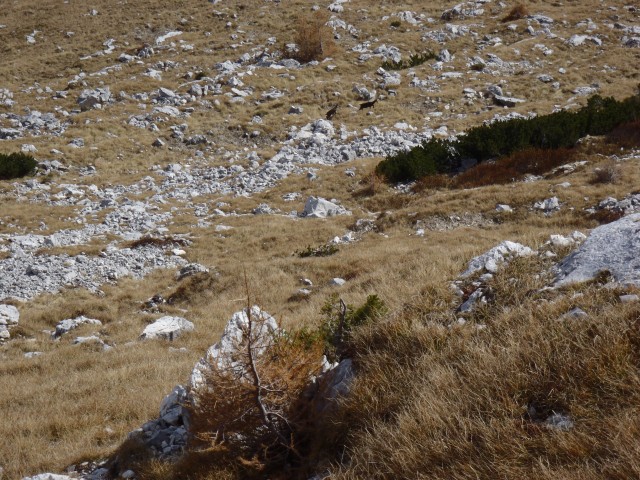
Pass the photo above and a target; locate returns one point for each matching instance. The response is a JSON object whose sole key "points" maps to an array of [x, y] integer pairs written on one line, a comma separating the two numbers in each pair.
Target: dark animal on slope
{"points": [[366, 105], [332, 113]]}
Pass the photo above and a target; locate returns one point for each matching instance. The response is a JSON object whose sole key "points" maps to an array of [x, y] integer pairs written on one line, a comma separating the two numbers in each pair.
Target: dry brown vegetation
{"points": [[509, 169], [313, 38], [516, 13], [431, 401]]}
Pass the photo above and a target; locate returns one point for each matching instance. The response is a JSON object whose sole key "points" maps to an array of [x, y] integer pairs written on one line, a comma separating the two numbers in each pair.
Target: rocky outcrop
{"points": [[613, 248]]}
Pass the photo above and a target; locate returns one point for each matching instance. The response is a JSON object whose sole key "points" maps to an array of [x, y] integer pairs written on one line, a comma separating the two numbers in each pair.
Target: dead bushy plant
{"points": [[371, 184], [249, 412], [606, 174], [157, 242], [605, 215], [313, 37], [432, 182], [536, 161], [626, 135], [516, 13]]}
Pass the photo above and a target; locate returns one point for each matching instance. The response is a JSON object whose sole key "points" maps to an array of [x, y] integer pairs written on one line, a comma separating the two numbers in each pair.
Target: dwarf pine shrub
{"points": [[16, 165], [556, 130]]}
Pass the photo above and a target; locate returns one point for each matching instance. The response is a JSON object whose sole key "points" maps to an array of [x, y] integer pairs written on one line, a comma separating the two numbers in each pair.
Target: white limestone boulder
{"points": [[167, 328], [226, 354]]}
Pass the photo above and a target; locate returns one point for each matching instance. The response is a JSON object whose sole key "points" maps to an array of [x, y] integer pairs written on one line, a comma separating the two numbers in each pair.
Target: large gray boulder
{"points": [[613, 248], [89, 99]]}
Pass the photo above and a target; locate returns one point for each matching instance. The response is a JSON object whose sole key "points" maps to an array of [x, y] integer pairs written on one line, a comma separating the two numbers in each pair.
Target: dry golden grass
{"points": [[421, 387], [432, 402]]}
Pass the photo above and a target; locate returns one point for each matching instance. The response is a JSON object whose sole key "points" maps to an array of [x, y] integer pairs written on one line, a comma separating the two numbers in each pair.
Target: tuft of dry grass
{"points": [[606, 174], [516, 13]]}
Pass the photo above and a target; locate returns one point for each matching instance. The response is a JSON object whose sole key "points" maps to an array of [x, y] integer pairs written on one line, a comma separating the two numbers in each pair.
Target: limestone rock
{"points": [[613, 248], [490, 260], [9, 315], [72, 323], [167, 328], [317, 207], [89, 99], [235, 336]]}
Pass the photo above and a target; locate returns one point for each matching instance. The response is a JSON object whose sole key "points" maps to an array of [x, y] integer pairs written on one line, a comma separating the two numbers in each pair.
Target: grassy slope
{"points": [[75, 403]]}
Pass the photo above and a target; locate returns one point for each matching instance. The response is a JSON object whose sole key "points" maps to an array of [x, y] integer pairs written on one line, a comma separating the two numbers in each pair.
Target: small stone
{"points": [[559, 421], [629, 298], [575, 313], [337, 281]]}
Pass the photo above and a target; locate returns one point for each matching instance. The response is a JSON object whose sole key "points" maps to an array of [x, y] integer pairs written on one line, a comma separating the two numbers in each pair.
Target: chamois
{"points": [[331, 113], [368, 104]]}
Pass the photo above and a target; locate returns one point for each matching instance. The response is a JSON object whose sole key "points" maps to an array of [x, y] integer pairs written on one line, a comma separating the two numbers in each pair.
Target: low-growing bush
{"points": [[605, 215], [626, 135], [16, 165], [434, 156], [340, 319], [321, 251], [608, 173], [554, 131], [535, 161], [414, 60]]}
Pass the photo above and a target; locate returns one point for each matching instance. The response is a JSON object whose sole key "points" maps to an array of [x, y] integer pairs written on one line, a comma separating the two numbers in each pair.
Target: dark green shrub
{"points": [[556, 130], [16, 165], [341, 319], [434, 156], [396, 23]]}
